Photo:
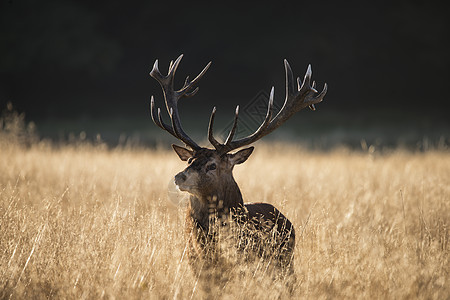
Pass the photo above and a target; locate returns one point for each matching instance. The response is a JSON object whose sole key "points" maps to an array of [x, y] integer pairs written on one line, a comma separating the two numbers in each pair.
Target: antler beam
{"points": [[172, 97], [298, 97]]}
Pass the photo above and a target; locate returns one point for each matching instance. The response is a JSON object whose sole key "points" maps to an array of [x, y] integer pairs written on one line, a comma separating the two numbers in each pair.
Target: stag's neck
{"points": [[220, 202]]}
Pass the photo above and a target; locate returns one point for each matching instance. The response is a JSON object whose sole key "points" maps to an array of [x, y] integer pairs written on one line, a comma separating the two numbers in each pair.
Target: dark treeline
{"points": [[70, 58]]}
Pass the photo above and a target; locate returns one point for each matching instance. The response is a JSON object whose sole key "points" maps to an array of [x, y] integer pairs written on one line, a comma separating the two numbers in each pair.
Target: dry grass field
{"points": [[83, 221]]}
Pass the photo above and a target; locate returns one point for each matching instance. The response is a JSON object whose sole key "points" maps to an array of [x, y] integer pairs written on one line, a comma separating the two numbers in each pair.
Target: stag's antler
{"points": [[171, 98], [297, 98]]}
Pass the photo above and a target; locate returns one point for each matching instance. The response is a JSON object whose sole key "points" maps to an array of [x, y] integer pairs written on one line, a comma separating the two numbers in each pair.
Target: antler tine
{"points": [[172, 97], [233, 129], [322, 94], [188, 85], [211, 138], [259, 133], [174, 66], [307, 79], [164, 125], [155, 72], [154, 113], [290, 88], [186, 81]]}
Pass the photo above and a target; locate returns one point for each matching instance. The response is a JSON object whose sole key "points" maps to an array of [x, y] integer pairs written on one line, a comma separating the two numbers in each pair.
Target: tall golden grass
{"points": [[83, 221]]}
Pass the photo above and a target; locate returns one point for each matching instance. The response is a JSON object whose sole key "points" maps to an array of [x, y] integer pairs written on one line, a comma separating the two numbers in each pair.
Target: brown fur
{"points": [[216, 200]]}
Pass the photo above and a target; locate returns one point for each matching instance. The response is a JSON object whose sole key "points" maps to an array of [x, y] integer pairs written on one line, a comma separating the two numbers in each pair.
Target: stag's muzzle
{"points": [[180, 178]]}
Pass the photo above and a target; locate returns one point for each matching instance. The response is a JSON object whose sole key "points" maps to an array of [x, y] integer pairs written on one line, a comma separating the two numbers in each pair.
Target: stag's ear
{"points": [[183, 153], [241, 156]]}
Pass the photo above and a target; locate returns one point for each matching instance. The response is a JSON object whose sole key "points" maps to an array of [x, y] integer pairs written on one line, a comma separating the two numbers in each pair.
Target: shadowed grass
{"points": [[83, 221]]}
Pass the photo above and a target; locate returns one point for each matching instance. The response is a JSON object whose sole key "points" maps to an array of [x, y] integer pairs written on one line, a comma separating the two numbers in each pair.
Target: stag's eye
{"points": [[211, 167], [190, 159]]}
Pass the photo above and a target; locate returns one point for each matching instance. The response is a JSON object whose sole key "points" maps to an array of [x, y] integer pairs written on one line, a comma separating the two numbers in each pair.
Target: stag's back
{"points": [[276, 232]]}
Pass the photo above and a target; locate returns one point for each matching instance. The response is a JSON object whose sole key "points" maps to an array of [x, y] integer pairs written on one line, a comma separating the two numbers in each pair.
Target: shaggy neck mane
{"points": [[226, 198]]}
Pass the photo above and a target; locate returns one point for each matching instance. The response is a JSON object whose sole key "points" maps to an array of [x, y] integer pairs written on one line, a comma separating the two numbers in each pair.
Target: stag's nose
{"points": [[180, 178]]}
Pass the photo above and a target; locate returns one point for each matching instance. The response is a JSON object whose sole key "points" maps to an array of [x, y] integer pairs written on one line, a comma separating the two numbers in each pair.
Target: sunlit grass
{"points": [[82, 221]]}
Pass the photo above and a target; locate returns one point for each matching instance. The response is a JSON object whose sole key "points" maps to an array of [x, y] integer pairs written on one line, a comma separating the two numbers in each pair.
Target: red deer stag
{"points": [[209, 175]]}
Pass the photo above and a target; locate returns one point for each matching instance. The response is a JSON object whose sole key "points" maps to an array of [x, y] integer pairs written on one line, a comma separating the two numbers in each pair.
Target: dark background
{"points": [[74, 66]]}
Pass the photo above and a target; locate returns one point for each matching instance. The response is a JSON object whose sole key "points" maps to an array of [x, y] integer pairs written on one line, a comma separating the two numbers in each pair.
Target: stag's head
{"points": [[210, 170]]}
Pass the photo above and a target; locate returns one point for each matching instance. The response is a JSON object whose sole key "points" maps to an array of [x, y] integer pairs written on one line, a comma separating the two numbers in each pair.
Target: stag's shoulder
{"points": [[267, 213], [256, 209]]}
